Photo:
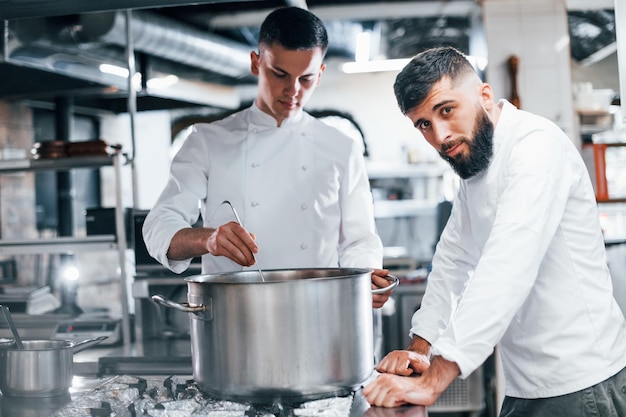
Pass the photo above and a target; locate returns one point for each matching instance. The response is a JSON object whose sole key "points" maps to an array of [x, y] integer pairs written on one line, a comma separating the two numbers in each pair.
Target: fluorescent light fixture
{"points": [[374, 66], [114, 70], [396, 65], [162, 82], [362, 50], [121, 72]]}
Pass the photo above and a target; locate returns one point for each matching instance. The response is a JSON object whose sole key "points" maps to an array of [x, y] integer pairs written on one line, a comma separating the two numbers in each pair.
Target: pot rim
{"points": [[308, 274], [52, 344]]}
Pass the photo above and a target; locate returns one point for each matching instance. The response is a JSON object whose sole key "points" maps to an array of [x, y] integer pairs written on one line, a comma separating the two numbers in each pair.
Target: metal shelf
{"points": [[54, 164], [64, 244], [72, 244]]}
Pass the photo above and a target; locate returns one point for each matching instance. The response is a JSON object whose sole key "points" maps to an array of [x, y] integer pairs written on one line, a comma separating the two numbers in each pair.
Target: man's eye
{"points": [[279, 75], [446, 110], [423, 126], [306, 79]]}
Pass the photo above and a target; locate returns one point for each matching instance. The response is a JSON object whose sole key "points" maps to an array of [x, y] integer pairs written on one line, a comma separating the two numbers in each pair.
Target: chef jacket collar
{"points": [[502, 128], [260, 118]]}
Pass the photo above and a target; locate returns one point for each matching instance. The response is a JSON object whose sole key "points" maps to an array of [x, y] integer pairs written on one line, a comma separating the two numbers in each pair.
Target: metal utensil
{"points": [[240, 223], [16, 336]]}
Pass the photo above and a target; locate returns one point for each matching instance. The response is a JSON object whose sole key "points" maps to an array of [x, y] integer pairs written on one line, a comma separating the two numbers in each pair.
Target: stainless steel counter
{"points": [[152, 357]]}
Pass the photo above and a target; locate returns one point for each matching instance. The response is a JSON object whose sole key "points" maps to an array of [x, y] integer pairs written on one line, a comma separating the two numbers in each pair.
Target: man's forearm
{"points": [[189, 243], [440, 375], [419, 345]]}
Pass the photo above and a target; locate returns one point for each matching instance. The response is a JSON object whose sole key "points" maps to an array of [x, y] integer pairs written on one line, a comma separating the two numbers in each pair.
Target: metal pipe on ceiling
{"points": [[11, 9], [169, 39]]}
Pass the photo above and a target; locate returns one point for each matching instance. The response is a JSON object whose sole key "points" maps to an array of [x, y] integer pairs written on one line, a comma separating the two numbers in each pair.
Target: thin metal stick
{"points": [[241, 224], [16, 336]]}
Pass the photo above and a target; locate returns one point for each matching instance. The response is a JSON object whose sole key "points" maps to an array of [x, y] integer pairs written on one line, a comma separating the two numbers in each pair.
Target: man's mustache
{"points": [[451, 144]]}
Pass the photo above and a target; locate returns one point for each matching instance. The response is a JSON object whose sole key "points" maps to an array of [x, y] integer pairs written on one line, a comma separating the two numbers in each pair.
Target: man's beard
{"points": [[480, 149]]}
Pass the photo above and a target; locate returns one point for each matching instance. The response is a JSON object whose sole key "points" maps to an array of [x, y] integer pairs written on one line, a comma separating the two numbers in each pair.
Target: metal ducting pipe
{"points": [[169, 39]]}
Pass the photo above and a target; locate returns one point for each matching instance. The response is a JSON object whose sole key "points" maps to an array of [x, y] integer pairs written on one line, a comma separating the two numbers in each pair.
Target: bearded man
{"points": [[521, 263]]}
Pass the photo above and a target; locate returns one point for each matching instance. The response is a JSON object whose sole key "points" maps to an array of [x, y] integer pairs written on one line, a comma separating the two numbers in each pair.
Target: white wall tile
{"points": [[536, 31]]}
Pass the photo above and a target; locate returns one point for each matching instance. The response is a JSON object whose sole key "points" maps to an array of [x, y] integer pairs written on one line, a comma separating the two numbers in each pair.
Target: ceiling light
{"points": [[479, 63], [374, 66], [114, 70], [162, 82], [362, 51]]}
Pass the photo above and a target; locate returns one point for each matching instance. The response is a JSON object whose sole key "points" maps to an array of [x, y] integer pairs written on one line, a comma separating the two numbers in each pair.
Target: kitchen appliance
{"points": [[301, 334], [101, 221]]}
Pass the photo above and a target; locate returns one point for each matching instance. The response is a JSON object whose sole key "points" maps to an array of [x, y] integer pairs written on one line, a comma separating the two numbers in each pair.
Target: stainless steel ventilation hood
{"points": [[186, 55], [89, 49], [180, 64], [17, 9]]}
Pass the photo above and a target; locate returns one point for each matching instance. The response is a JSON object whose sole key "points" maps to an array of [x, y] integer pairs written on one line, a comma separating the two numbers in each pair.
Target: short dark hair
{"points": [[294, 28], [414, 82]]}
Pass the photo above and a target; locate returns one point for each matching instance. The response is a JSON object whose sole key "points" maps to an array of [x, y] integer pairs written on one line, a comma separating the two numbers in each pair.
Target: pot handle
{"points": [[80, 346], [394, 283], [184, 307]]}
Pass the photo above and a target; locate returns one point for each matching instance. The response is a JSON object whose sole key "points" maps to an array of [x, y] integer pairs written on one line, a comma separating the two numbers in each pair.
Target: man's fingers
{"points": [[234, 242], [383, 392], [396, 362], [418, 362]]}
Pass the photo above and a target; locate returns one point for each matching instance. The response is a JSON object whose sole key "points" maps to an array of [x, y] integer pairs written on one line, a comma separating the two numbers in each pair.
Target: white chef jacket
{"points": [[522, 262], [301, 188]]}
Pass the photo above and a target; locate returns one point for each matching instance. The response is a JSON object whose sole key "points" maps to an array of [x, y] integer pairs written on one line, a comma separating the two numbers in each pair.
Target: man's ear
{"points": [[486, 96], [254, 63], [319, 76]]}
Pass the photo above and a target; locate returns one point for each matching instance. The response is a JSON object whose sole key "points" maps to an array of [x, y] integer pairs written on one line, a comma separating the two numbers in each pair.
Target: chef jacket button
{"points": [[255, 165], [255, 131], [254, 203], [303, 246], [304, 206], [304, 167]]}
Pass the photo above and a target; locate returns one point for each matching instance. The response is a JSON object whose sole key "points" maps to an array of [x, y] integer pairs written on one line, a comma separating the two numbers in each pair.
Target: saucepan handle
{"points": [[184, 307], [394, 283], [80, 346]]}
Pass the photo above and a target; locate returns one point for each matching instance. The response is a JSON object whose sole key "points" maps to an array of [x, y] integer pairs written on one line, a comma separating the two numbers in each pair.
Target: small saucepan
{"points": [[43, 368]]}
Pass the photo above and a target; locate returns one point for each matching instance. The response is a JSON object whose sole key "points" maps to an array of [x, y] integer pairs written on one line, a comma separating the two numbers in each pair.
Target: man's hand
{"points": [[234, 242], [229, 240], [403, 362], [378, 300], [389, 390]]}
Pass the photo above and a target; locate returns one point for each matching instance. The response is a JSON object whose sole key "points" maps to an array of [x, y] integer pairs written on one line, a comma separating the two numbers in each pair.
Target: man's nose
{"points": [[292, 88], [441, 132]]}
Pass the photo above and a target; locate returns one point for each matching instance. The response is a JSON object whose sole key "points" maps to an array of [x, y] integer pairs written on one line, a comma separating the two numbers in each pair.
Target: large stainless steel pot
{"points": [[42, 369], [301, 334]]}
